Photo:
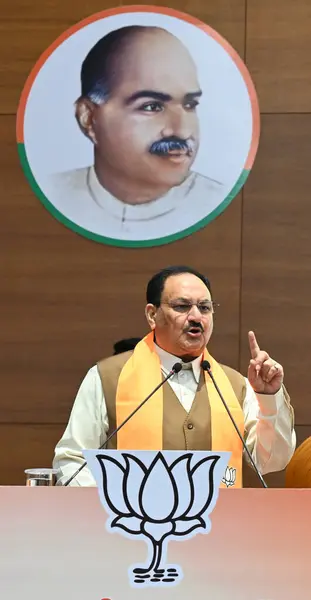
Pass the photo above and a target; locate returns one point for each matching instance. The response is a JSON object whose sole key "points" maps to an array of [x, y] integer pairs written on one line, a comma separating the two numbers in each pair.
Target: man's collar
{"points": [[138, 212], [168, 360]]}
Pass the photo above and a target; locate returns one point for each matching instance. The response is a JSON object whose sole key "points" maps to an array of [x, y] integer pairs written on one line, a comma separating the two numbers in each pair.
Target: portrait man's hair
{"points": [[98, 72]]}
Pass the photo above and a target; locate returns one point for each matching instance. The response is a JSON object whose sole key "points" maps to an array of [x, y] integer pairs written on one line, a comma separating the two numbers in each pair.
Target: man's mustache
{"points": [[170, 144], [194, 324]]}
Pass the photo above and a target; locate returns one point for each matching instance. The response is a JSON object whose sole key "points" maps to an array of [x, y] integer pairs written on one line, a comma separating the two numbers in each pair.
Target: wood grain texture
{"points": [[278, 53], [276, 266], [227, 17], [26, 446]]}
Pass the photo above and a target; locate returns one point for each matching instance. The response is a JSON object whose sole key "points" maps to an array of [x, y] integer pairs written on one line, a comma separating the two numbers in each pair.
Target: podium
{"points": [[55, 544]]}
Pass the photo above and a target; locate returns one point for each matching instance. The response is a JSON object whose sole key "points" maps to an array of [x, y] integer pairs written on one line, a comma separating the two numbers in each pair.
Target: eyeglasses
{"points": [[205, 308]]}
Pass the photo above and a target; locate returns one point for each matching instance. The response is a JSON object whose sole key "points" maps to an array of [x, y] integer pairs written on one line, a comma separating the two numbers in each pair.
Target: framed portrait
{"points": [[138, 126]]}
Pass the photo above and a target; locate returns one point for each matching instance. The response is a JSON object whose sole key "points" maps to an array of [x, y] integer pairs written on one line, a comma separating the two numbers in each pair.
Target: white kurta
{"points": [[80, 197]]}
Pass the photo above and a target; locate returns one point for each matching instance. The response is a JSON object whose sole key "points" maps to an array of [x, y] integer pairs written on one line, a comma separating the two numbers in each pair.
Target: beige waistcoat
{"points": [[181, 430]]}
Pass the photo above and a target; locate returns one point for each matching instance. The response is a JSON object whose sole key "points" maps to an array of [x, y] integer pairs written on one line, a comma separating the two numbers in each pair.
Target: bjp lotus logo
{"points": [[157, 497], [229, 477]]}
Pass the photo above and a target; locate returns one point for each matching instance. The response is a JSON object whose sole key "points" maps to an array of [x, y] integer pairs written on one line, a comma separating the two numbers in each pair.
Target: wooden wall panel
{"points": [[26, 446], [225, 16], [276, 261], [278, 53]]}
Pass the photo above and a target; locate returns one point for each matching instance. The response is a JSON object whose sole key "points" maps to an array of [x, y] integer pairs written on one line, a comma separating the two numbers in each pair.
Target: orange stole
{"points": [[141, 374]]}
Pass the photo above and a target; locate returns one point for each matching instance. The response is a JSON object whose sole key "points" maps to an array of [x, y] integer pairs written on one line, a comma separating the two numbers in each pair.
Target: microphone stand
{"points": [[207, 367], [175, 369]]}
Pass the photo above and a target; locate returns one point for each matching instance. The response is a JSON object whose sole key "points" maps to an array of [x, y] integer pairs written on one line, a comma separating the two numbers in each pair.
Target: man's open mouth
{"points": [[194, 331]]}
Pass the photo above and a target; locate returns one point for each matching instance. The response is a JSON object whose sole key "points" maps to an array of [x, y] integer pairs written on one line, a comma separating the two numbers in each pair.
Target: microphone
{"points": [[207, 367], [175, 369]]}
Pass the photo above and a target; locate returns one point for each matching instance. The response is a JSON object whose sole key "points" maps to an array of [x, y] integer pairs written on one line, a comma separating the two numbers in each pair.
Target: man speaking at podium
{"points": [[186, 413]]}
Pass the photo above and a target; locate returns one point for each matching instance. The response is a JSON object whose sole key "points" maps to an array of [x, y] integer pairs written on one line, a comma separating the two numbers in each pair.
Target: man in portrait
{"points": [[138, 107]]}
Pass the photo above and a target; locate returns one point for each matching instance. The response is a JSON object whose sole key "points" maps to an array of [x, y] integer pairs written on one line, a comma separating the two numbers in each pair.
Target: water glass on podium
{"points": [[35, 477]]}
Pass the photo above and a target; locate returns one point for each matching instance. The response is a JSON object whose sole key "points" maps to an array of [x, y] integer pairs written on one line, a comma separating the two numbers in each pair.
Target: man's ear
{"points": [[85, 117], [150, 312]]}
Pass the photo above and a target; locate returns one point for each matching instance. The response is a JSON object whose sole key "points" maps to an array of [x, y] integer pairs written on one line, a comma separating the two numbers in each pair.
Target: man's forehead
{"points": [[151, 61], [185, 285]]}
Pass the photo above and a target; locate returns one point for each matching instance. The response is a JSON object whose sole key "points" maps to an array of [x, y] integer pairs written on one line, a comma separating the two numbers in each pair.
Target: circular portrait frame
{"points": [[161, 238]]}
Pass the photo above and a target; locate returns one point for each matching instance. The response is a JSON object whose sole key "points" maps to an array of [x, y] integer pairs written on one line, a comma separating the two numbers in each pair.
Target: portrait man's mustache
{"points": [[172, 144]]}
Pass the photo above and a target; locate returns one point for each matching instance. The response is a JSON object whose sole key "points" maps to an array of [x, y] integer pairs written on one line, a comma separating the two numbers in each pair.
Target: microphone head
{"points": [[205, 365], [177, 367]]}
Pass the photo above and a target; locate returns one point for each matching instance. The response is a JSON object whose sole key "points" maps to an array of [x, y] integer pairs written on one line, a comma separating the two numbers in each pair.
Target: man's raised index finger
{"points": [[253, 346]]}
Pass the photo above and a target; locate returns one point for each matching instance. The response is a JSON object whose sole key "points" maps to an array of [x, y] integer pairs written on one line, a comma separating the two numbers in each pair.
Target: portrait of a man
{"points": [[138, 107], [150, 134]]}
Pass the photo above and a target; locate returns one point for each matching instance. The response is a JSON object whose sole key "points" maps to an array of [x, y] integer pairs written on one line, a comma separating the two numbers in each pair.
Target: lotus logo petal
{"points": [[158, 497], [229, 477]]}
